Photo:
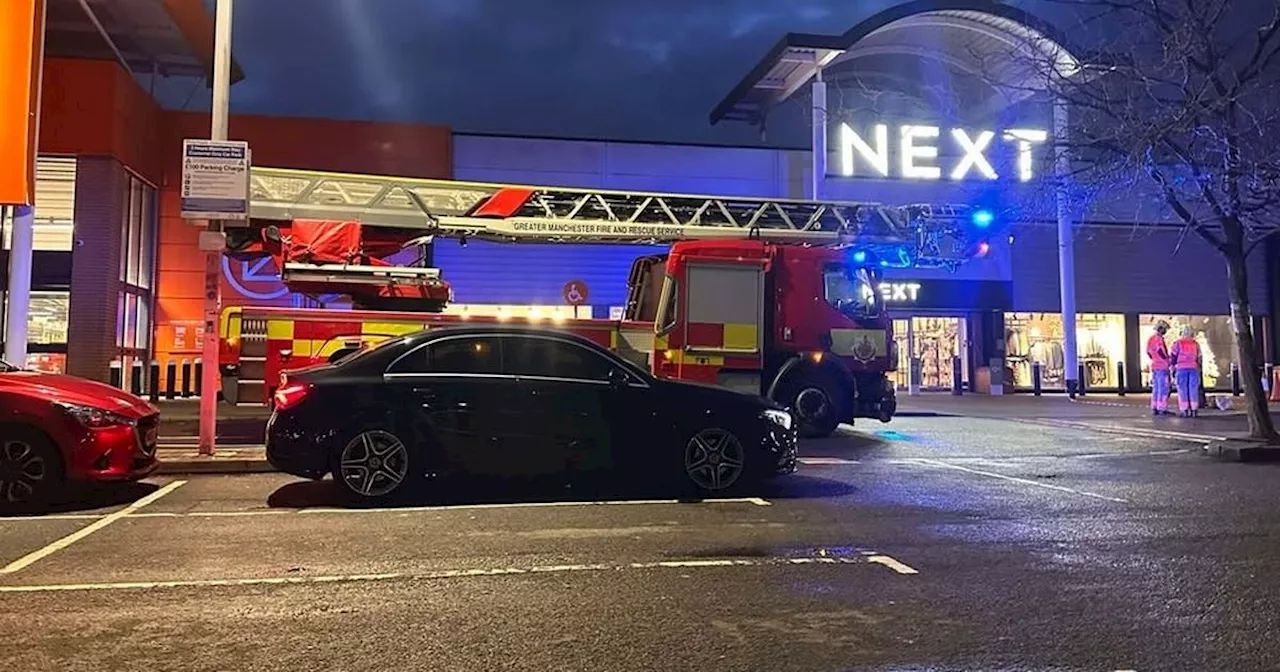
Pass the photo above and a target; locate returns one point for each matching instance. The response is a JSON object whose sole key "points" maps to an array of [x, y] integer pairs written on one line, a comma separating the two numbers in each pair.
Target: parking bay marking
{"points": [[866, 557], [87, 530], [1015, 479], [825, 461], [755, 501]]}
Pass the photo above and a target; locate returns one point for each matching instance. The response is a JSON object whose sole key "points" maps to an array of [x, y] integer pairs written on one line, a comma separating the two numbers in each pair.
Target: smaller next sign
{"points": [[215, 179]]}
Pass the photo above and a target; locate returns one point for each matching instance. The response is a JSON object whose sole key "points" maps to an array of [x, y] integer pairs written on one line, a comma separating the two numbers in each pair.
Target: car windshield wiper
{"points": [[6, 367]]}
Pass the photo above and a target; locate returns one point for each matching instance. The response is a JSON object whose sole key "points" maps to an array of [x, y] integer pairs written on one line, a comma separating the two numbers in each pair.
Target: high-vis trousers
{"points": [[1160, 389], [1188, 389]]}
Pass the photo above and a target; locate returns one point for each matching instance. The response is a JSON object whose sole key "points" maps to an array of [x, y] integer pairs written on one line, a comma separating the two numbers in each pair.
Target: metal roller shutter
{"points": [[533, 274]]}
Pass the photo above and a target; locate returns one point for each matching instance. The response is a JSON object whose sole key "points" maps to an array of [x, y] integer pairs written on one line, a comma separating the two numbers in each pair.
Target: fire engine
{"points": [[771, 296]]}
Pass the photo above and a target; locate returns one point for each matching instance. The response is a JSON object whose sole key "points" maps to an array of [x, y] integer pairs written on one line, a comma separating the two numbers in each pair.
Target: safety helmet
{"points": [[1162, 327]]}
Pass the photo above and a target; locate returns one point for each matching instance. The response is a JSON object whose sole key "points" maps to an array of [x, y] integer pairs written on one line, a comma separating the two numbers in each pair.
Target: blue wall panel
{"points": [[523, 274]]}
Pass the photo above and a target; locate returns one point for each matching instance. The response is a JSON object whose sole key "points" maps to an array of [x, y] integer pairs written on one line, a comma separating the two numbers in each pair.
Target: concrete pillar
{"points": [[1066, 247], [819, 137], [19, 293]]}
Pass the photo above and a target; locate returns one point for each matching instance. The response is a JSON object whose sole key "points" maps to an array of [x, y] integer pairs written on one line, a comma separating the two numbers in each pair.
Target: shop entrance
{"points": [[934, 341]]}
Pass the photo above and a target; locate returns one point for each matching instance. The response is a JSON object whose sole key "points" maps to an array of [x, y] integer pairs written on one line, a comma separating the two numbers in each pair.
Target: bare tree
{"points": [[1182, 102]]}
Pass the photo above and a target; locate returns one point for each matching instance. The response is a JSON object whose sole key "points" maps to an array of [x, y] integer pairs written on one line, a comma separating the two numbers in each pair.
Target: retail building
{"points": [[117, 275]]}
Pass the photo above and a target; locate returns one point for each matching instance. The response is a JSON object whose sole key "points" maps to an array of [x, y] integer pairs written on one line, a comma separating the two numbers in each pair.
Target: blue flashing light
{"points": [[860, 257], [884, 262], [983, 218]]}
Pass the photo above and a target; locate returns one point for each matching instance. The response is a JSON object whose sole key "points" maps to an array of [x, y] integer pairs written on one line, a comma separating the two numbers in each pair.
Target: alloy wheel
{"points": [[374, 463], [713, 459], [22, 471]]}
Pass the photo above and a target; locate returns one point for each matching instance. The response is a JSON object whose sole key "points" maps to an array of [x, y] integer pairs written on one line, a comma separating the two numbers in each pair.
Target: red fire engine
{"points": [[775, 297]]}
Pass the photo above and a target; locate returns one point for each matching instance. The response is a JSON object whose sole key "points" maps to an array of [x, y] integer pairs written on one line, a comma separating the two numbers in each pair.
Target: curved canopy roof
{"points": [[979, 43]]}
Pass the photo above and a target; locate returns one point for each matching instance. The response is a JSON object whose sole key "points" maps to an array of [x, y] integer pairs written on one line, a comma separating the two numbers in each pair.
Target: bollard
{"points": [[1120, 382], [171, 380], [1037, 374], [135, 378], [1235, 379], [186, 379], [117, 374], [153, 382], [1081, 376], [913, 377], [957, 385], [199, 372]]}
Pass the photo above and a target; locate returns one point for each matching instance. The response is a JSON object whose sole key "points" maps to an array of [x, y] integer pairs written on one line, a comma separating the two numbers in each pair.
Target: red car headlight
{"points": [[95, 418]]}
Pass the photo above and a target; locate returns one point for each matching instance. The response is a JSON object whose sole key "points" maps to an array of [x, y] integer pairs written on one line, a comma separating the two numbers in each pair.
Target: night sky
{"points": [[624, 69]]}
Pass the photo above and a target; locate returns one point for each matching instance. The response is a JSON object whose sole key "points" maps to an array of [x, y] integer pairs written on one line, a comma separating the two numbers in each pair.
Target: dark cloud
{"points": [[596, 68]]}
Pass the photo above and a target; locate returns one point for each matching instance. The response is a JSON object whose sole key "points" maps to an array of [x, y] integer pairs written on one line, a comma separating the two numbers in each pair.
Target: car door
{"points": [[458, 401], [576, 406]]}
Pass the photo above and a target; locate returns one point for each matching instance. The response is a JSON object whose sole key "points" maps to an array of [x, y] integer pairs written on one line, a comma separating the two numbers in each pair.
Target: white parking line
{"points": [[864, 558], [825, 461], [87, 530], [1015, 479], [132, 511]]}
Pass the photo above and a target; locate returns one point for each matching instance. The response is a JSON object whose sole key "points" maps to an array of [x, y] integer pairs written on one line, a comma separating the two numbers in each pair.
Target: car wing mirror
{"points": [[618, 378]]}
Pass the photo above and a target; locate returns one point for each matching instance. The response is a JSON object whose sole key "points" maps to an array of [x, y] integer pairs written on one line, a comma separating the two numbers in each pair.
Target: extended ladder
{"points": [[553, 214]]}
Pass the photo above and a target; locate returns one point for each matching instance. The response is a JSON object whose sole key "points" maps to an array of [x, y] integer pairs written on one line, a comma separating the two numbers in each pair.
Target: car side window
{"points": [[554, 359], [473, 355]]}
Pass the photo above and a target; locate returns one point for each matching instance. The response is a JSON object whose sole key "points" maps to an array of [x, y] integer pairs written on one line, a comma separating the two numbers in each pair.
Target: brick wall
{"points": [[101, 202]]}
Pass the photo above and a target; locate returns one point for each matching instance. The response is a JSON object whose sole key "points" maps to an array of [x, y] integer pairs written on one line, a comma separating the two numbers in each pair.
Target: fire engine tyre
{"points": [[813, 402], [373, 465], [714, 461], [30, 468]]}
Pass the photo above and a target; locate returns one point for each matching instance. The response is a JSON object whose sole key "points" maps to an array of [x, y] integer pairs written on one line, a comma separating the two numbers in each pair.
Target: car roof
{"points": [[496, 329]]}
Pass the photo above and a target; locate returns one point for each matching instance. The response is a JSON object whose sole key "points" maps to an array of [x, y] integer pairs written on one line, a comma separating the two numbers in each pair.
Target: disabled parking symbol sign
{"points": [[575, 293]]}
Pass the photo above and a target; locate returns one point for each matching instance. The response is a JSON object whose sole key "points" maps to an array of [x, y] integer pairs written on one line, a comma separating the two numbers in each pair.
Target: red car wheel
{"points": [[30, 467]]}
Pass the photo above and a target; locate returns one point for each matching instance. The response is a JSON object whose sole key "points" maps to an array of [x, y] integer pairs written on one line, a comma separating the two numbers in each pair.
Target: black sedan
{"points": [[516, 402]]}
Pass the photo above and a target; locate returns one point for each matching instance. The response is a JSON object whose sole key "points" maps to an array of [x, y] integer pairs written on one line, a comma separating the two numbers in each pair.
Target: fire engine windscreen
{"points": [[852, 291]]}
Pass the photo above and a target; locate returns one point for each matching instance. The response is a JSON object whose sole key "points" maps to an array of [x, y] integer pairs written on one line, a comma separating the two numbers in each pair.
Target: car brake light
{"points": [[289, 395]]}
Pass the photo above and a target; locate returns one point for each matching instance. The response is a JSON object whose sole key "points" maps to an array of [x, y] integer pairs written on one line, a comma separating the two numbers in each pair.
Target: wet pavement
{"points": [[932, 543]]}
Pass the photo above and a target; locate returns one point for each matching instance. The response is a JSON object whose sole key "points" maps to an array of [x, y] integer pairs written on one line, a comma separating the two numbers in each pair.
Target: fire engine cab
{"points": [[768, 296]]}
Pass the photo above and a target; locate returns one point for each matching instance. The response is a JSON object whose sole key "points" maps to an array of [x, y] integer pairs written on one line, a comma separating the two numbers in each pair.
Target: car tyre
{"points": [[31, 470], [715, 462], [374, 465]]}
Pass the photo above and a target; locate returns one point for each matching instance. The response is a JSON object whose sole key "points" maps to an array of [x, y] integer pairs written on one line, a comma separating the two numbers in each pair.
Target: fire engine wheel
{"points": [[374, 464], [714, 460], [815, 409]]}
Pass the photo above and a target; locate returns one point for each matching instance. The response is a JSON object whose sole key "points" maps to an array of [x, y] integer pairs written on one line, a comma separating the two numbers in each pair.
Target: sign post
{"points": [[216, 190]]}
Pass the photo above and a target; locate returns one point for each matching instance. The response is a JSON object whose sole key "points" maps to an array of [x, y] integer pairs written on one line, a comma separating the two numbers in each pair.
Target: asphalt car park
{"points": [[931, 543]]}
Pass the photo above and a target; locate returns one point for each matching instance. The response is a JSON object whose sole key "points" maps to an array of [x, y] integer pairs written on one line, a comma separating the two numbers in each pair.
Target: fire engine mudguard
{"points": [[801, 381], [820, 395]]}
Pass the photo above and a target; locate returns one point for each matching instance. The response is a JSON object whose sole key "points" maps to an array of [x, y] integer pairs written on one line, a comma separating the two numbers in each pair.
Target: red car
{"points": [[55, 429]]}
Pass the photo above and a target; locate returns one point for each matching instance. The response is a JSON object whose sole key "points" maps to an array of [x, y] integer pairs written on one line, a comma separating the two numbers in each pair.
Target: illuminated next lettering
{"points": [[911, 152], [918, 151]]}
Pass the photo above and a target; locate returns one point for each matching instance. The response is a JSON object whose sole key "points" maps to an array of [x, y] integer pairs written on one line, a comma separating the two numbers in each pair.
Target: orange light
{"points": [[816, 357]]}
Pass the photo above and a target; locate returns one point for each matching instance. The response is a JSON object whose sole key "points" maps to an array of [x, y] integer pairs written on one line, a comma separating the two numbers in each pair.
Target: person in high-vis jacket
{"points": [[1186, 366], [1158, 351]]}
